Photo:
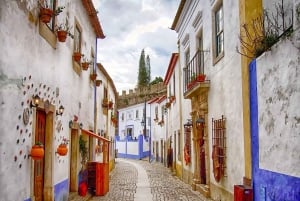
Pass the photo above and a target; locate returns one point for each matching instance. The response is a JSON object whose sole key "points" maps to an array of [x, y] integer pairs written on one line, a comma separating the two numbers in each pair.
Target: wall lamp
{"points": [[60, 110], [188, 124], [35, 101]]}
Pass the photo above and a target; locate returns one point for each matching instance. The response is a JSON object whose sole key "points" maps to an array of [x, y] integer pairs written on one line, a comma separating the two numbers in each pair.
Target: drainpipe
{"points": [[95, 91], [180, 109]]}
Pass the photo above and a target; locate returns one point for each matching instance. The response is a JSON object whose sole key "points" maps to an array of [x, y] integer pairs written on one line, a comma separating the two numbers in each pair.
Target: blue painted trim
{"points": [[267, 185], [61, 191], [29, 199]]}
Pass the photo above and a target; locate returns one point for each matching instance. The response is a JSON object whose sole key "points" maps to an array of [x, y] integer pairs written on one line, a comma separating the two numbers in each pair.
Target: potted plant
{"points": [[98, 82], [85, 64], [77, 56], [46, 12], [201, 77], [63, 30], [62, 149], [83, 150], [110, 104], [104, 102], [93, 76], [37, 151]]}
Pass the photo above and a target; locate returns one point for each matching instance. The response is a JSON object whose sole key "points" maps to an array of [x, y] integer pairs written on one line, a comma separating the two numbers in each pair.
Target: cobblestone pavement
{"points": [[164, 186]]}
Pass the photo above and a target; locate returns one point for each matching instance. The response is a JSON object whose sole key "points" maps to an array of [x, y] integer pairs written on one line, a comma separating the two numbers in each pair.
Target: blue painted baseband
{"points": [[267, 185]]}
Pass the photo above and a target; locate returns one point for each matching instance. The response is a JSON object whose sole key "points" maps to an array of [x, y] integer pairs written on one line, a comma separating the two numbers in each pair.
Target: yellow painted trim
{"points": [[249, 10]]}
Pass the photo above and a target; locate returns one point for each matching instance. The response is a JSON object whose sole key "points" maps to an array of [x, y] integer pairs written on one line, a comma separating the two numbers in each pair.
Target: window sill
{"points": [[47, 34], [218, 58], [76, 67]]}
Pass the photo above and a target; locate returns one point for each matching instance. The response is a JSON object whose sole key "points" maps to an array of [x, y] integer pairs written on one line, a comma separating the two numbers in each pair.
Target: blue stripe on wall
{"points": [[267, 185], [61, 191]]}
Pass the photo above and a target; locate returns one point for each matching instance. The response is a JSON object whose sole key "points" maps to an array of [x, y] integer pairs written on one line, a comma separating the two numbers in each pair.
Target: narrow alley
{"points": [[135, 180]]}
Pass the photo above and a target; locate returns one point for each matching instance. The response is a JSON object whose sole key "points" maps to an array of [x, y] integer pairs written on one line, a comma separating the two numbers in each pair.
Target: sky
{"points": [[129, 27]]}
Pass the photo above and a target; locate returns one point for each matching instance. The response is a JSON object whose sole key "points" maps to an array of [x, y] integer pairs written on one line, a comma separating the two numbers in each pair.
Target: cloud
{"points": [[129, 27]]}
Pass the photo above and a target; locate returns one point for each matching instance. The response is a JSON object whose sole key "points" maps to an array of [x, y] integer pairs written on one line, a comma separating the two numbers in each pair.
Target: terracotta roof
{"points": [[153, 100], [92, 14], [161, 99], [178, 13], [171, 67]]}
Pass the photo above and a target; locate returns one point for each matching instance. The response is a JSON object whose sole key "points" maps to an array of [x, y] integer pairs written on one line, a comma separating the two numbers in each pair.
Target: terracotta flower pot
{"points": [[98, 82], [37, 152], [77, 56], [62, 35], [45, 15], [85, 65], [62, 150], [93, 76]]}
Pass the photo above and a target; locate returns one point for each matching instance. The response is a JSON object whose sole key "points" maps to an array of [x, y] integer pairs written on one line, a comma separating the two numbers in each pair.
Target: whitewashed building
{"points": [[227, 158], [213, 144], [159, 133], [177, 114], [34, 63]]}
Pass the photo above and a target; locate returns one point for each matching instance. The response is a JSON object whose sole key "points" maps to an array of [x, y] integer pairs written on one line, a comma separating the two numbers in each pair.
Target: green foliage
{"points": [[82, 148], [156, 80], [144, 74]]}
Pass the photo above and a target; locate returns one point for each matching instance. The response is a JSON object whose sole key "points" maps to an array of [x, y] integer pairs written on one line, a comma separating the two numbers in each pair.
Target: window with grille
{"points": [[219, 147], [187, 144]]}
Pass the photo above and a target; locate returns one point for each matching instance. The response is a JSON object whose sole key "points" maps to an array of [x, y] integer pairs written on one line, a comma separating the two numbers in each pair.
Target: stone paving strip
{"points": [[139, 180]]}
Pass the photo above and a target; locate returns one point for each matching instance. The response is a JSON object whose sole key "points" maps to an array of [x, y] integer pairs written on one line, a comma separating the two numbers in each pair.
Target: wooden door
{"points": [[39, 164]]}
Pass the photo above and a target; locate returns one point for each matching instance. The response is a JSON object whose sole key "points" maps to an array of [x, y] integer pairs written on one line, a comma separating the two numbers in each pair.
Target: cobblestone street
{"points": [[160, 185]]}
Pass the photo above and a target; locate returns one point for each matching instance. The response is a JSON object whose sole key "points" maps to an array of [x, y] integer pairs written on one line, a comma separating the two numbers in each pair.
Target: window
{"points": [[46, 30], [77, 39], [122, 116], [179, 145], [218, 33], [174, 81], [136, 114], [218, 147], [156, 114]]}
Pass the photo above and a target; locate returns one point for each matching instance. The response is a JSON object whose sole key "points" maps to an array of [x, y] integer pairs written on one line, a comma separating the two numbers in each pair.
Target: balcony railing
{"points": [[194, 68]]}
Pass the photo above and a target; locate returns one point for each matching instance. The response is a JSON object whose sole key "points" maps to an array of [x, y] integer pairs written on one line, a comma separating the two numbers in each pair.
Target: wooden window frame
{"points": [[77, 46], [217, 33]]}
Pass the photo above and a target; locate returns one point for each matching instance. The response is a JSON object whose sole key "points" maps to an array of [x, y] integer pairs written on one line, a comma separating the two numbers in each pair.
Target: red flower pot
{"points": [[62, 149], [45, 15], [85, 65], [77, 56], [201, 77], [62, 35], [37, 152]]}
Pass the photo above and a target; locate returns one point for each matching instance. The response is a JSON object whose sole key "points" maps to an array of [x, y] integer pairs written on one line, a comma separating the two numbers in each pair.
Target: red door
{"points": [[39, 164]]}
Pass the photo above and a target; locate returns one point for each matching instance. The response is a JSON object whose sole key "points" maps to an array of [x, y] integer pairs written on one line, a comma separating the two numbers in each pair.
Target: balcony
{"points": [[194, 77]]}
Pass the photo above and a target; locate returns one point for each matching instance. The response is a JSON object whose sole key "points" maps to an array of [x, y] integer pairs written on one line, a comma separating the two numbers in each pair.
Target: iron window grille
{"points": [[219, 147]]}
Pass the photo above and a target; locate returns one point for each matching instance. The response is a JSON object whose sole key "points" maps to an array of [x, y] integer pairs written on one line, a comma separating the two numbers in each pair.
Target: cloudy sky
{"points": [[129, 27]]}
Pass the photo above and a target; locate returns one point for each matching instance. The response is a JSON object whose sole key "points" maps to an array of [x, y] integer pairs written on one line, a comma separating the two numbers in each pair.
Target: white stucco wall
{"points": [[29, 65], [225, 96], [278, 90], [132, 148]]}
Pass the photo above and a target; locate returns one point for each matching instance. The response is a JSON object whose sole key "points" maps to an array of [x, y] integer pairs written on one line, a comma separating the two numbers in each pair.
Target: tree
{"points": [[156, 80], [148, 67], [143, 72]]}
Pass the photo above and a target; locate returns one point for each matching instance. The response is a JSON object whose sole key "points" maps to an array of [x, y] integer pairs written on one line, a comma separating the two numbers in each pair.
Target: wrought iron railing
{"points": [[194, 68]]}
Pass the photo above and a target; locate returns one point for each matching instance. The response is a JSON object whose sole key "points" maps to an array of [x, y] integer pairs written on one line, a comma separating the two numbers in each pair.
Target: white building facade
{"points": [[34, 63]]}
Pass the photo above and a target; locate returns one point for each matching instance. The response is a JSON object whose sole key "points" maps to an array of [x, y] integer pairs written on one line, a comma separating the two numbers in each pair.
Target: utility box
{"points": [[98, 178], [243, 193]]}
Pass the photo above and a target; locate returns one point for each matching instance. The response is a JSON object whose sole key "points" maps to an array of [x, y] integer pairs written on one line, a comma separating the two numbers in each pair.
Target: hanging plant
{"points": [[62, 149], [37, 151]]}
